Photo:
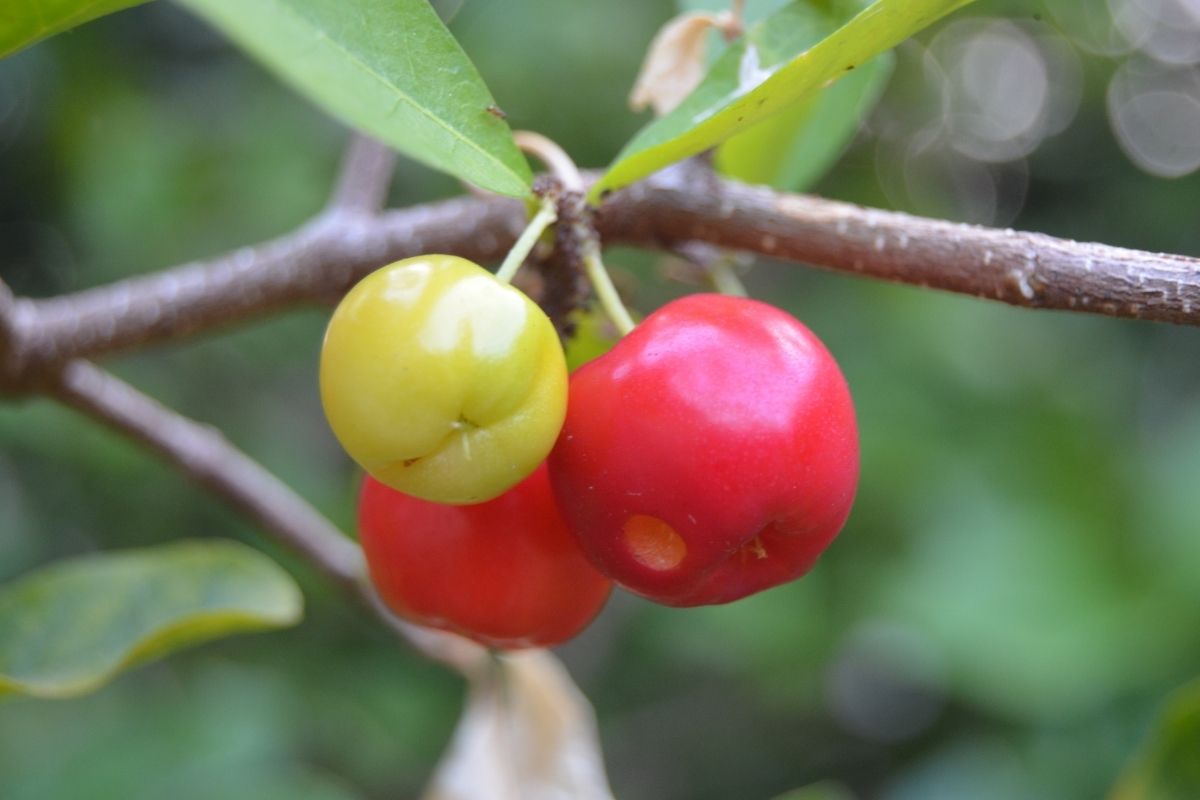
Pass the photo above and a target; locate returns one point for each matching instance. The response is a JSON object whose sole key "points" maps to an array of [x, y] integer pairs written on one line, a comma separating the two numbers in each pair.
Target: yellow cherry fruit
{"points": [[442, 382]]}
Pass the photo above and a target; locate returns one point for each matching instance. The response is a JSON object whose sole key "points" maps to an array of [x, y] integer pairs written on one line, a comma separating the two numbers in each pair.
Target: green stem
{"points": [[606, 293], [725, 279], [543, 219]]}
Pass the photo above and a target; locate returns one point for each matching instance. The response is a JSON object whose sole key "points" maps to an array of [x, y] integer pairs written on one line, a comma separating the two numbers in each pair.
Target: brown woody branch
{"points": [[1021, 269], [323, 258]]}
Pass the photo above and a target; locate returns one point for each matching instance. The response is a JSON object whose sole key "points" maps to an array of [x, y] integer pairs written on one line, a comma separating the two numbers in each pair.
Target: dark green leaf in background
{"points": [[1168, 767], [389, 68], [68, 628], [23, 22], [761, 75]]}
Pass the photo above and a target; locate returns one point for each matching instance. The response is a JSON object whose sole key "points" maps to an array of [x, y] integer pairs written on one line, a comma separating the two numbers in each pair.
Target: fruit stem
{"points": [[606, 293], [725, 279], [543, 219]]}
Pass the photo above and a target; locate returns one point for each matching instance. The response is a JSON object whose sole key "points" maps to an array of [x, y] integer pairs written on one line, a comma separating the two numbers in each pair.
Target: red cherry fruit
{"points": [[711, 454], [506, 573]]}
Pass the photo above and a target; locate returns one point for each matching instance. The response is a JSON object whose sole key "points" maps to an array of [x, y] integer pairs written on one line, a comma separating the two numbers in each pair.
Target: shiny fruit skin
{"points": [[711, 454], [442, 382], [506, 573]]}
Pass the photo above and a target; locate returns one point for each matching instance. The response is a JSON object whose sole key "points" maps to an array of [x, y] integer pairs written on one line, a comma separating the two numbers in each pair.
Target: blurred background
{"points": [[1017, 590]]}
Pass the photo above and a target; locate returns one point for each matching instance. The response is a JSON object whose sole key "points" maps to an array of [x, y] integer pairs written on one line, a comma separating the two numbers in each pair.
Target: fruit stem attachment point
{"points": [[606, 293], [543, 219], [571, 180]]}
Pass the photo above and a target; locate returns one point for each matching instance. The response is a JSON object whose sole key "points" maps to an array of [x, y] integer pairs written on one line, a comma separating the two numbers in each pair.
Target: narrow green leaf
{"points": [[1168, 767], [755, 79], [70, 627], [24, 22], [389, 68], [794, 148]]}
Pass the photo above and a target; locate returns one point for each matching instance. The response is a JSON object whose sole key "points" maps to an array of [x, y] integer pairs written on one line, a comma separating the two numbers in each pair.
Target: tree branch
{"points": [[1021, 269], [318, 262], [322, 259]]}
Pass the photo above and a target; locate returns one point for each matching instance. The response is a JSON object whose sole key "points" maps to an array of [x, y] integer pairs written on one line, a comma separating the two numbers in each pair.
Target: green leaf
{"points": [[389, 68], [1168, 768], [752, 12], [24, 22], [793, 149], [70, 627], [758, 77]]}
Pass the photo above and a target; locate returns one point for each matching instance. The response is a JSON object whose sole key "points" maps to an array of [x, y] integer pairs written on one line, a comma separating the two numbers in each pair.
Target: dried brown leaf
{"points": [[527, 733], [674, 63]]}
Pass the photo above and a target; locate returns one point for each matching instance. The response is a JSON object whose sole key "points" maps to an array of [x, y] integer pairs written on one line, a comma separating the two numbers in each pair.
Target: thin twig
{"points": [[206, 456], [203, 454], [364, 178], [716, 267]]}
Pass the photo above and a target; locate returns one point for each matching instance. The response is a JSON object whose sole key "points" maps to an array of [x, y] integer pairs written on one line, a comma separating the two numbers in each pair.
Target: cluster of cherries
{"points": [[710, 454]]}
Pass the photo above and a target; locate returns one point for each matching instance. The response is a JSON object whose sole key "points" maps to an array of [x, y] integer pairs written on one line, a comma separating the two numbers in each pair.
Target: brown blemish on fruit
{"points": [[756, 547], [653, 543]]}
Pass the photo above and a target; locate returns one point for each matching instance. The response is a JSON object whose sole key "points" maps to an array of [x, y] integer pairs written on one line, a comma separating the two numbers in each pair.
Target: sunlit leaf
{"points": [[758, 77], [1168, 767], [793, 149], [527, 733], [23, 22], [68, 628], [389, 68]]}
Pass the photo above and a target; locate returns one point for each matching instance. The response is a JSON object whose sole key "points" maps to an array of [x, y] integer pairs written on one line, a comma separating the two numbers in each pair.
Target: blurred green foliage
{"points": [[1167, 767], [70, 627], [1016, 592]]}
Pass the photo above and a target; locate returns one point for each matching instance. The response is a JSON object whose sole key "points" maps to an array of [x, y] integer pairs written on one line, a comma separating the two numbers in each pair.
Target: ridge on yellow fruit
{"points": [[441, 381]]}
